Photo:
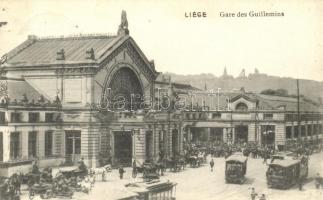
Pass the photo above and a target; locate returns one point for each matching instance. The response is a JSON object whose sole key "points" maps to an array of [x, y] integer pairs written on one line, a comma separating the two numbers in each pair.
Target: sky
{"points": [[289, 46]]}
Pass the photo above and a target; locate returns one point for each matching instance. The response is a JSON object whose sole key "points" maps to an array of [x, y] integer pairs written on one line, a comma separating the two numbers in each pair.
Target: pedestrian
{"points": [[121, 172], [212, 165], [263, 197], [318, 181], [300, 184], [253, 194], [265, 157], [134, 169]]}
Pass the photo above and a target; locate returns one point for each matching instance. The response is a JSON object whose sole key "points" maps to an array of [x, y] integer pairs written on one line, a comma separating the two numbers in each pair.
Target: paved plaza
{"points": [[201, 183]]}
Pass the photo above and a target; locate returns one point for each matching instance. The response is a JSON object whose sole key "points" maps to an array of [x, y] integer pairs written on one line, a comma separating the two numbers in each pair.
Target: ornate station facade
{"points": [[69, 98]]}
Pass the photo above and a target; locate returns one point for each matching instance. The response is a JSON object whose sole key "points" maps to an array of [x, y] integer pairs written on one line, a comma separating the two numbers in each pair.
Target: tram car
{"points": [[235, 169], [154, 190], [284, 173]]}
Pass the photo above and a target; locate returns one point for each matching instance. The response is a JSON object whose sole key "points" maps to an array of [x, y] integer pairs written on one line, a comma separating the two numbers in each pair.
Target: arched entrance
{"points": [[124, 90]]}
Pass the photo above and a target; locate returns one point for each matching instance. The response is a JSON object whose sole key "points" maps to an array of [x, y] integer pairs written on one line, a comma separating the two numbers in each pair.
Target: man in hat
{"points": [[318, 181], [263, 197], [121, 172], [253, 194], [212, 164], [82, 166]]}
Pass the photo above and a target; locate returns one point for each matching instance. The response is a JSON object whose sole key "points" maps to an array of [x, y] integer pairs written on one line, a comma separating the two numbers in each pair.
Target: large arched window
{"points": [[241, 107], [125, 89]]}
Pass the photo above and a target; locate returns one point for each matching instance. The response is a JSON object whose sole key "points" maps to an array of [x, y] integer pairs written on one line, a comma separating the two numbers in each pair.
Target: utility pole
{"points": [[298, 113], [218, 99]]}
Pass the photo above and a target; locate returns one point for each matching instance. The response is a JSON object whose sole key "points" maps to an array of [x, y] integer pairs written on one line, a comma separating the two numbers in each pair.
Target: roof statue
{"points": [[225, 72], [256, 71], [123, 27], [242, 74]]}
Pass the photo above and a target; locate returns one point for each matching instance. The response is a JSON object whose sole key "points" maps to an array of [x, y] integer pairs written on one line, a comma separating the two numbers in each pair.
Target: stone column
{"points": [[156, 142], [225, 135], [6, 145], [180, 139], [293, 133], [90, 143], [24, 144], [41, 143], [233, 135]]}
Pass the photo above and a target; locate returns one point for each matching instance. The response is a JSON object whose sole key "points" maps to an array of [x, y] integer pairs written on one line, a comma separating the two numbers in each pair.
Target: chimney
{"points": [[152, 64], [90, 54], [32, 37], [60, 55]]}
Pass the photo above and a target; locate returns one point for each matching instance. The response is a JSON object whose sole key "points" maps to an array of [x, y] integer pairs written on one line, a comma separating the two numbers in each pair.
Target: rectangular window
{"points": [[216, 115], [14, 145], [288, 132], [48, 143], [33, 117], [295, 131], [15, 117], [289, 117], [73, 142], [268, 116], [309, 130], [2, 117], [32, 144], [49, 117], [303, 131]]}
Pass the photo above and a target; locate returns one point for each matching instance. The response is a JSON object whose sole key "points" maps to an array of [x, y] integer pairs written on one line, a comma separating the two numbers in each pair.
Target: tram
{"points": [[235, 169], [154, 190], [284, 173]]}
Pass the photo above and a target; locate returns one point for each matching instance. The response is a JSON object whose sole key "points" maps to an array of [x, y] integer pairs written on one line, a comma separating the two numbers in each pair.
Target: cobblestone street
{"points": [[201, 183]]}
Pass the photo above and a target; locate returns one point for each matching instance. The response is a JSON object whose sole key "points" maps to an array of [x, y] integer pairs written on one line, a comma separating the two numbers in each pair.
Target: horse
{"points": [[15, 181], [101, 171]]}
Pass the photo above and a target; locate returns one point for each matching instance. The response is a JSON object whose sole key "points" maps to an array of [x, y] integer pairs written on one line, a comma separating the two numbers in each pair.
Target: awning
{"points": [[211, 125]]}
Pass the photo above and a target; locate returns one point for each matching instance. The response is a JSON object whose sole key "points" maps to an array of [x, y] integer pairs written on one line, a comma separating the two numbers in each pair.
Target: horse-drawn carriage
{"points": [[149, 170], [74, 173], [194, 161], [8, 190]]}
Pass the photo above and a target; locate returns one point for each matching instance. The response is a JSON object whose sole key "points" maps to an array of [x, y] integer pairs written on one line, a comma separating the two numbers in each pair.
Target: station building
{"points": [[242, 117], [99, 98], [60, 102]]}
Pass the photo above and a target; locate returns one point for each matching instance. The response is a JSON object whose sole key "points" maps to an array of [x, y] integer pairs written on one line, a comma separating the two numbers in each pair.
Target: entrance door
{"points": [[175, 148], [268, 135], [73, 146], [241, 132], [123, 148], [149, 145], [216, 135]]}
